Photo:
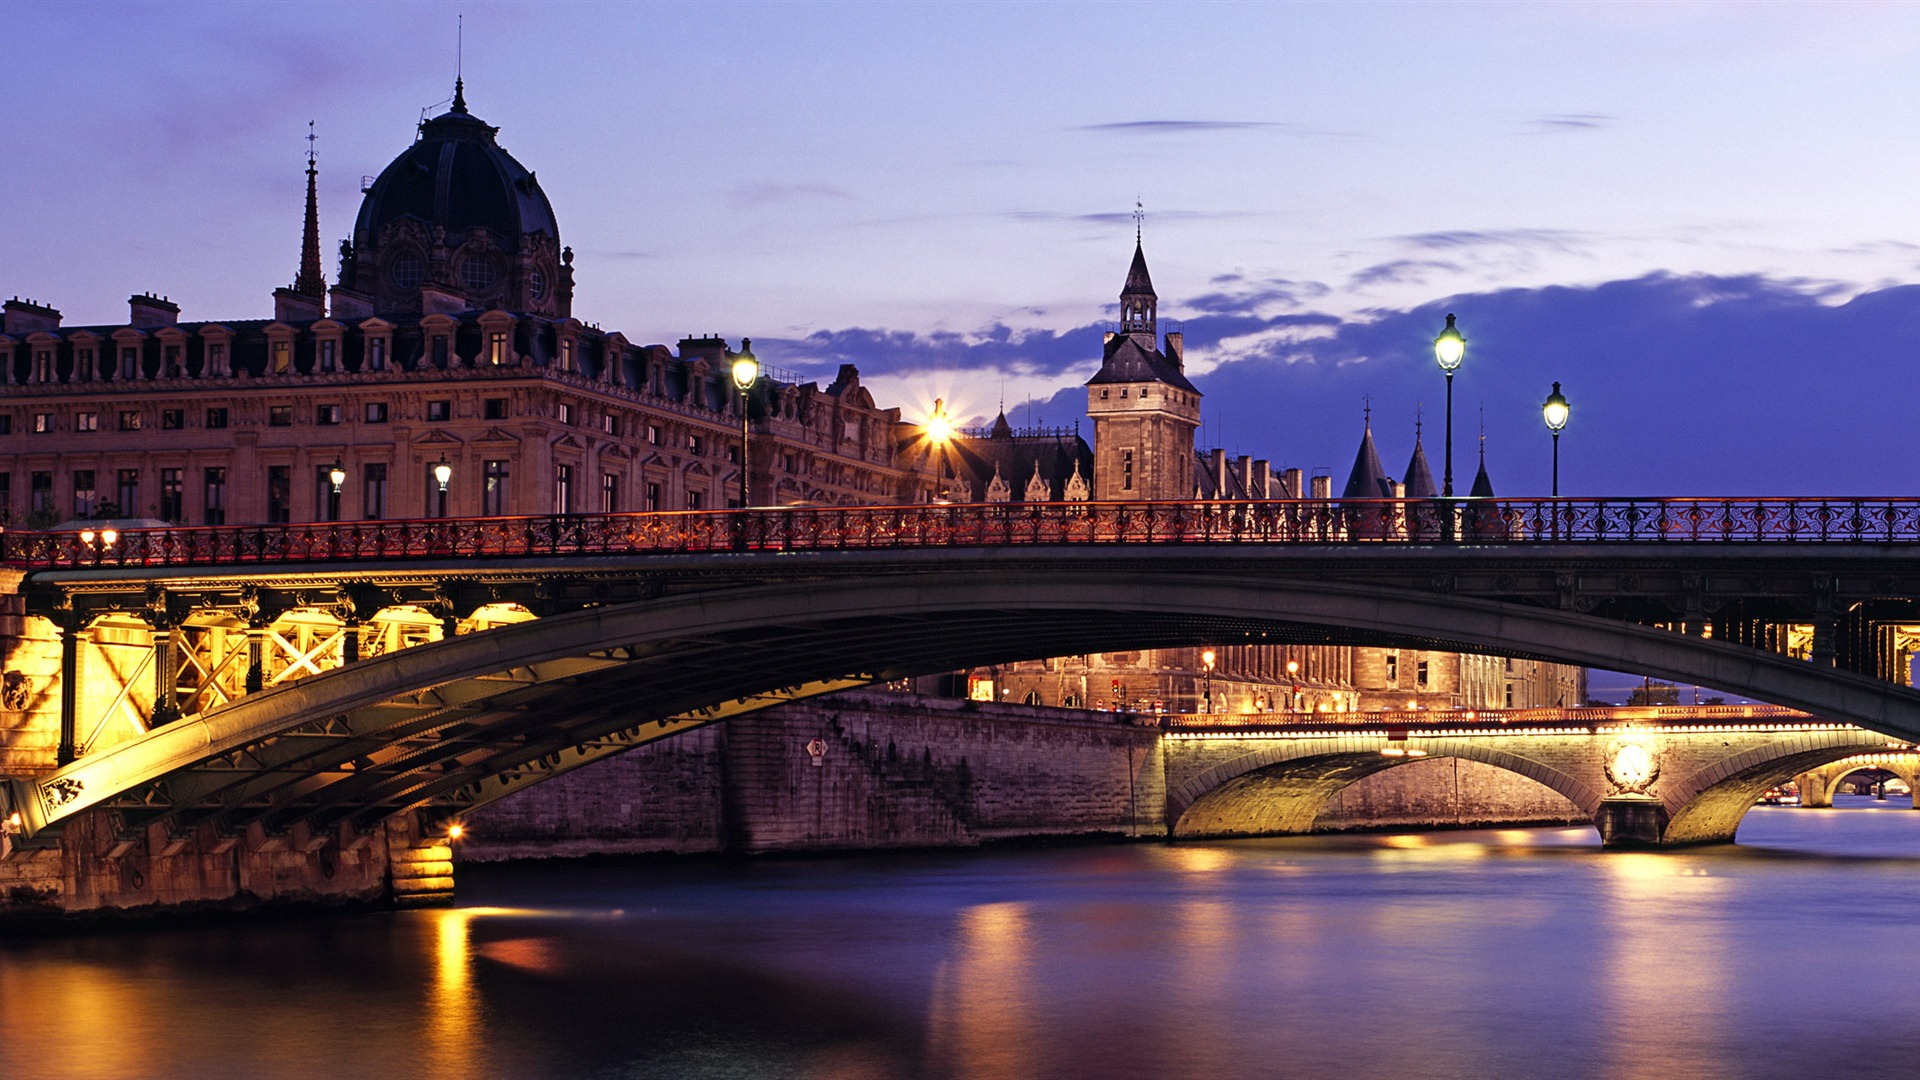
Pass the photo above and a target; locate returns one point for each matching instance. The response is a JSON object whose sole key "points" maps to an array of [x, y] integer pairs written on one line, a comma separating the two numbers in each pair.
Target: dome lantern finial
{"points": [[459, 95]]}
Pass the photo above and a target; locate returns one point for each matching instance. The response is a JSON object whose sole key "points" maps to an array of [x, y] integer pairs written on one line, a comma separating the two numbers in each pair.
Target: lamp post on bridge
{"points": [[442, 473], [1206, 661], [746, 371], [1449, 349], [1555, 413], [337, 475]]}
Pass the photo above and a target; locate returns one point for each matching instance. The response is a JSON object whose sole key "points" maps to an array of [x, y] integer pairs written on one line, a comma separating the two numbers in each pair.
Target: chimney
{"points": [[1244, 464], [27, 317], [1177, 349], [149, 311], [1323, 486], [1219, 469], [1291, 482], [1262, 479]]}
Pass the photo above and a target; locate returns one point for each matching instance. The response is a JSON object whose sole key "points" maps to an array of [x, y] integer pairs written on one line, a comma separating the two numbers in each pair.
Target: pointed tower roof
{"points": [[1001, 429], [1419, 479], [1367, 480], [312, 280], [1139, 282], [1482, 485]]}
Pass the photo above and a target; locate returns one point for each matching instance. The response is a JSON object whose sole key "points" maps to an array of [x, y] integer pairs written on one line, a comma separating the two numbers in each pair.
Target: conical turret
{"points": [[1368, 480]]}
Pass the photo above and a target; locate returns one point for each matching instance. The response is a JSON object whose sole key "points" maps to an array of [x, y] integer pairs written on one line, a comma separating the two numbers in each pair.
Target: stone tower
{"points": [[1144, 410]]}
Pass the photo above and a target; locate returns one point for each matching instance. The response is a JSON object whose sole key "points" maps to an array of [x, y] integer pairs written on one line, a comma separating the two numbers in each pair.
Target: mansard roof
{"points": [[1128, 361], [1013, 453]]}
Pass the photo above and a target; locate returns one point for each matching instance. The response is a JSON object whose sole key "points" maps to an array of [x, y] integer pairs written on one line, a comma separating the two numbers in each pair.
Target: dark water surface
{"points": [[1475, 954]]}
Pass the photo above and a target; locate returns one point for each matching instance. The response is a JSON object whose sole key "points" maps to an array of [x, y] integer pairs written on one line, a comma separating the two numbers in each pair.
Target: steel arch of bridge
{"points": [[456, 723]]}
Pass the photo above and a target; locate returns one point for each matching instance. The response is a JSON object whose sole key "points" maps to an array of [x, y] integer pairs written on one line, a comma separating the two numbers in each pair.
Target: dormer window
{"points": [[497, 348], [129, 363], [43, 365], [328, 356], [83, 366], [282, 357], [377, 354]]}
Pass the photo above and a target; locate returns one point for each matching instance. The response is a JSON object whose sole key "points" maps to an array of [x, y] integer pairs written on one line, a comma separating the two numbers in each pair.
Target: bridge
{"points": [[298, 685]]}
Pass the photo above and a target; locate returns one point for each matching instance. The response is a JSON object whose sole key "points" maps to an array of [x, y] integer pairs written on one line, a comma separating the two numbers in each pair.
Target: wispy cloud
{"points": [[1560, 240], [755, 195], [1177, 127], [1402, 272], [1562, 123]]}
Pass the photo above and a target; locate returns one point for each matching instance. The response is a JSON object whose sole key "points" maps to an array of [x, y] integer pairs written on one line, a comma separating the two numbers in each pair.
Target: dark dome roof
{"points": [[456, 176]]}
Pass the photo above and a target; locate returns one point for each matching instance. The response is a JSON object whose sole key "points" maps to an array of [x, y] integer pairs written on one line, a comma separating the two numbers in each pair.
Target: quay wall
{"points": [[906, 771]]}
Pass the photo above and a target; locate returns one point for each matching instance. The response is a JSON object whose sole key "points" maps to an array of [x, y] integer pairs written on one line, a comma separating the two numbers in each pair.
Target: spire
{"points": [[1482, 484], [1419, 479], [1138, 303], [459, 95], [312, 280], [1368, 480]]}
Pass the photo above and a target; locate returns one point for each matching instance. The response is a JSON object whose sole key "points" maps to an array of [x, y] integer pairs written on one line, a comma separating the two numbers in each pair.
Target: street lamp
{"points": [[1206, 659], [1555, 412], [1293, 680], [746, 371], [443, 472], [1449, 349], [337, 475]]}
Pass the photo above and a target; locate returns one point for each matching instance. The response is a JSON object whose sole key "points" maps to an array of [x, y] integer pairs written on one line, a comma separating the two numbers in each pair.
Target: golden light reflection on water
{"points": [[1664, 987], [451, 1006], [982, 1017]]}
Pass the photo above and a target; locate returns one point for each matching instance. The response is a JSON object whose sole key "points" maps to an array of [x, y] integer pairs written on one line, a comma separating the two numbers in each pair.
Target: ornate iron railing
{"points": [[1302, 521]]}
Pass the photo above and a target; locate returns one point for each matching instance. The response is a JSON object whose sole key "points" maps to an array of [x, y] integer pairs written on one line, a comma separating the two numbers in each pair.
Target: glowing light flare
{"points": [[1449, 349], [1555, 410], [1207, 658], [337, 474], [939, 425], [108, 536], [456, 830], [746, 368], [443, 472]]}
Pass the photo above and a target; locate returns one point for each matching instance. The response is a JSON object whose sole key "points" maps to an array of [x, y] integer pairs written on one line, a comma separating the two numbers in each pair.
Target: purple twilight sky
{"points": [[1697, 217]]}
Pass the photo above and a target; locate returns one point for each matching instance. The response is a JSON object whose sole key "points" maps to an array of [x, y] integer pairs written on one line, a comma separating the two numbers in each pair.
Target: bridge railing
{"points": [[1288, 521]]}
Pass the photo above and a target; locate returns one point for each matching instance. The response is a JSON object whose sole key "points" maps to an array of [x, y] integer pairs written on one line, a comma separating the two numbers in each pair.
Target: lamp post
{"points": [[1293, 675], [1555, 413], [1449, 349], [443, 472], [337, 475], [746, 371], [1206, 661]]}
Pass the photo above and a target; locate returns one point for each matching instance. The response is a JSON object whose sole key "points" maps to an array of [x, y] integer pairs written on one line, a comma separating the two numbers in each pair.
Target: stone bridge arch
{"points": [[460, 721]]}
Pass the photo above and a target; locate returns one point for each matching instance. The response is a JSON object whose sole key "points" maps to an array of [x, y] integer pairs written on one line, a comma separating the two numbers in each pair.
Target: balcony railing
{"points": [[1388, 522]]}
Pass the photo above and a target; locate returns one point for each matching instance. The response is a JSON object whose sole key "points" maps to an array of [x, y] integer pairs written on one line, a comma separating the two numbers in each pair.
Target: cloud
{"points": [[1402, 272], [1680, 384], [1561, 123], [1176, 127], [754, 195], [1558, 240]]}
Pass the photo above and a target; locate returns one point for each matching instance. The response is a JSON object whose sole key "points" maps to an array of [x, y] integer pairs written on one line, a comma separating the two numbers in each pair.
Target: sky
{"points": [[1698, 218]]}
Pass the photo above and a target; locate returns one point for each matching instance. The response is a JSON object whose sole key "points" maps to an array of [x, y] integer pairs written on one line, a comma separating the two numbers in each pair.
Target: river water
{"points": [[1509, 953]]}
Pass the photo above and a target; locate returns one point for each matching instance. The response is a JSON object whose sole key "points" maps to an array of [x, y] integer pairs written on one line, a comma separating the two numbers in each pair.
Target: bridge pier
{"points": [[1632, 821]]}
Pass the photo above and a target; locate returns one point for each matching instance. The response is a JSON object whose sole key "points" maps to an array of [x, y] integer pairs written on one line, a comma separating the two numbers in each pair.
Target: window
{"points": [[170, 363], [493, 491], [214, 496], [127, 492], [43, 423], [329, 360], [1393, 669], [216, 359], [439, 410], [280, 416], [1103, 395], [282, 357], [129, 363], [496, 408], [695, 500], [6, 497], [129, 420], [789, 462], [279, 494], [653, 498], [6, 426], [653, 434], [377, 354], [407, 270], [83, 366], [173, 419], [86, 421], [373, 491], [697, 445], [85, 497], [1420, 673], [477, 275], [497, 346], [733, 454], [326, 415], [376, 412], [1126, 470], [172, 505], [566, 354], [40, 492], [216, 419], [566, 413], [440, 351], [562, 489], [610, 424], [43, 365], [609, 493]]}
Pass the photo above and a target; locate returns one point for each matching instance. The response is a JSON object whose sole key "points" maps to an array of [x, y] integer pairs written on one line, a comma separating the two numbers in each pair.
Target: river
{"points": [[1504, 953]]}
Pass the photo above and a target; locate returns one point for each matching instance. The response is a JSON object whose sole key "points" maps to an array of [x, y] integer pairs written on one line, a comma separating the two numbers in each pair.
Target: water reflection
{"points": [[1519, 952]]}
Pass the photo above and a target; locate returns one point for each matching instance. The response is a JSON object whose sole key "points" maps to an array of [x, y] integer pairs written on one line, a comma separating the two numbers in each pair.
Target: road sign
{"points": [[817, 750]]}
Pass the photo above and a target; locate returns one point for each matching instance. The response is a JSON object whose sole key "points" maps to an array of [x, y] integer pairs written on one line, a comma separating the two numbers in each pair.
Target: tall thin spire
{"points": [[312, 280], [459, 63], [1139, 216]]}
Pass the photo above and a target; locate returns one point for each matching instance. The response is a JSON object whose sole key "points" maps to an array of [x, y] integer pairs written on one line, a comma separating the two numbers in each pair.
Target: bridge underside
{"points": [[453, 724]]}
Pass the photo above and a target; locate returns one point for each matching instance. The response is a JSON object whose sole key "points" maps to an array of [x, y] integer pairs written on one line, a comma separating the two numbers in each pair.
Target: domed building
{"points": [[447, 345]]}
